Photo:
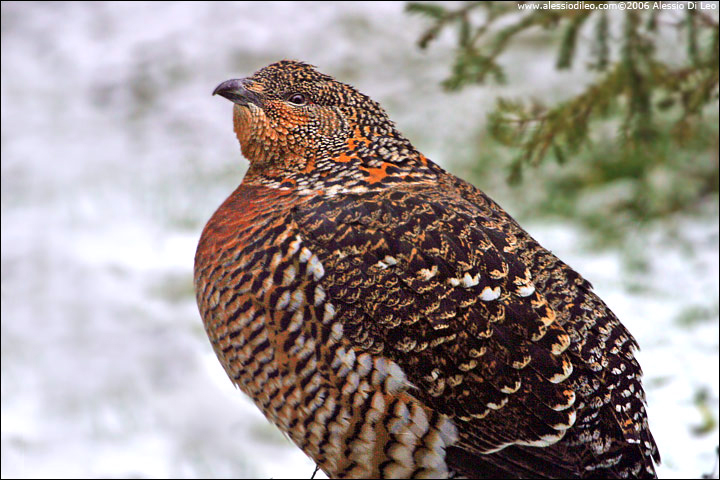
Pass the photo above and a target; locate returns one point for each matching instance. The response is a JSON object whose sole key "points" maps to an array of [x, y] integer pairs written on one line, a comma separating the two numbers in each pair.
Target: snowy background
{"points": [[114, 154]]}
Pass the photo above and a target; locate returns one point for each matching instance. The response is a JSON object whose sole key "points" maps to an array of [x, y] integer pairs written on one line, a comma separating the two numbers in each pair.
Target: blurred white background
{"points": [[114, 154]]}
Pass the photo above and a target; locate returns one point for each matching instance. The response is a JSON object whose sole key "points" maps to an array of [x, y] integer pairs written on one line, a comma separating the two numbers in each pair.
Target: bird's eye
{"points": [[297, 99]]}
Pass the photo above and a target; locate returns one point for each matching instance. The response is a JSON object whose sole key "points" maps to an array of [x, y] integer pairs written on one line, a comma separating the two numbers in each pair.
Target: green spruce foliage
{"points": [[647, 121]]}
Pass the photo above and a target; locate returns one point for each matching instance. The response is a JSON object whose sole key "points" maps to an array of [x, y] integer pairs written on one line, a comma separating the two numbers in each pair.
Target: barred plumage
{"points": [[392, 319]]}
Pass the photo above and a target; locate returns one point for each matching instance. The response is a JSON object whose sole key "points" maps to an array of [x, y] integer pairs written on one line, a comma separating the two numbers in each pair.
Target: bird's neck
{"points": [[367, 160]]}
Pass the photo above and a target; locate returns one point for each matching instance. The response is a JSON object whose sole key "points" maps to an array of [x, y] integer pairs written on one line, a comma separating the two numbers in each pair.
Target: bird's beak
{"points": [[236, 92]]}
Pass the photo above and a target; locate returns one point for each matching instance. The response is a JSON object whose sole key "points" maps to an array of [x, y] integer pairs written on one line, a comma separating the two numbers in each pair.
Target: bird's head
{"points": [[295, 123]]}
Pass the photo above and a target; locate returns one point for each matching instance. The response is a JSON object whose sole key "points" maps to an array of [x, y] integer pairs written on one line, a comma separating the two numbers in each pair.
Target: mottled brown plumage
{"points": [[392, 319]]}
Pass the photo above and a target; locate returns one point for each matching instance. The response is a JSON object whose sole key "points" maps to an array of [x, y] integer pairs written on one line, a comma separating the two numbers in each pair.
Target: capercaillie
{"points": [[391, 319]]}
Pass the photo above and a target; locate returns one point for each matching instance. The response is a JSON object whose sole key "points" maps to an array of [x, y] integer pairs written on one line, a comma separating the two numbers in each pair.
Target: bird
{"points": [[391, 319]]}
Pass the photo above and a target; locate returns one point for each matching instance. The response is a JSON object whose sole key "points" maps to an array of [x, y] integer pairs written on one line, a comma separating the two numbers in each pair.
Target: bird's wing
{"points": [[424, 278], [612, 424]]}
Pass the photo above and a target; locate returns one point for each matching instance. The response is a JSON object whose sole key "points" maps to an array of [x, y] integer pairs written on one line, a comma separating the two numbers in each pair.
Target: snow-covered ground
{"points": [[114, 155]]}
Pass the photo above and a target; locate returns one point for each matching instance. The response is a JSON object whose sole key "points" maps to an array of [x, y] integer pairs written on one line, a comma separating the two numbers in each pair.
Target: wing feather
{"points": [[454, 305]]}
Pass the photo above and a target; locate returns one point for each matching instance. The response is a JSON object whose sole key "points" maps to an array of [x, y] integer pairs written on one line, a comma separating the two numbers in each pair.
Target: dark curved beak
{"points": [[236, 92]]}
